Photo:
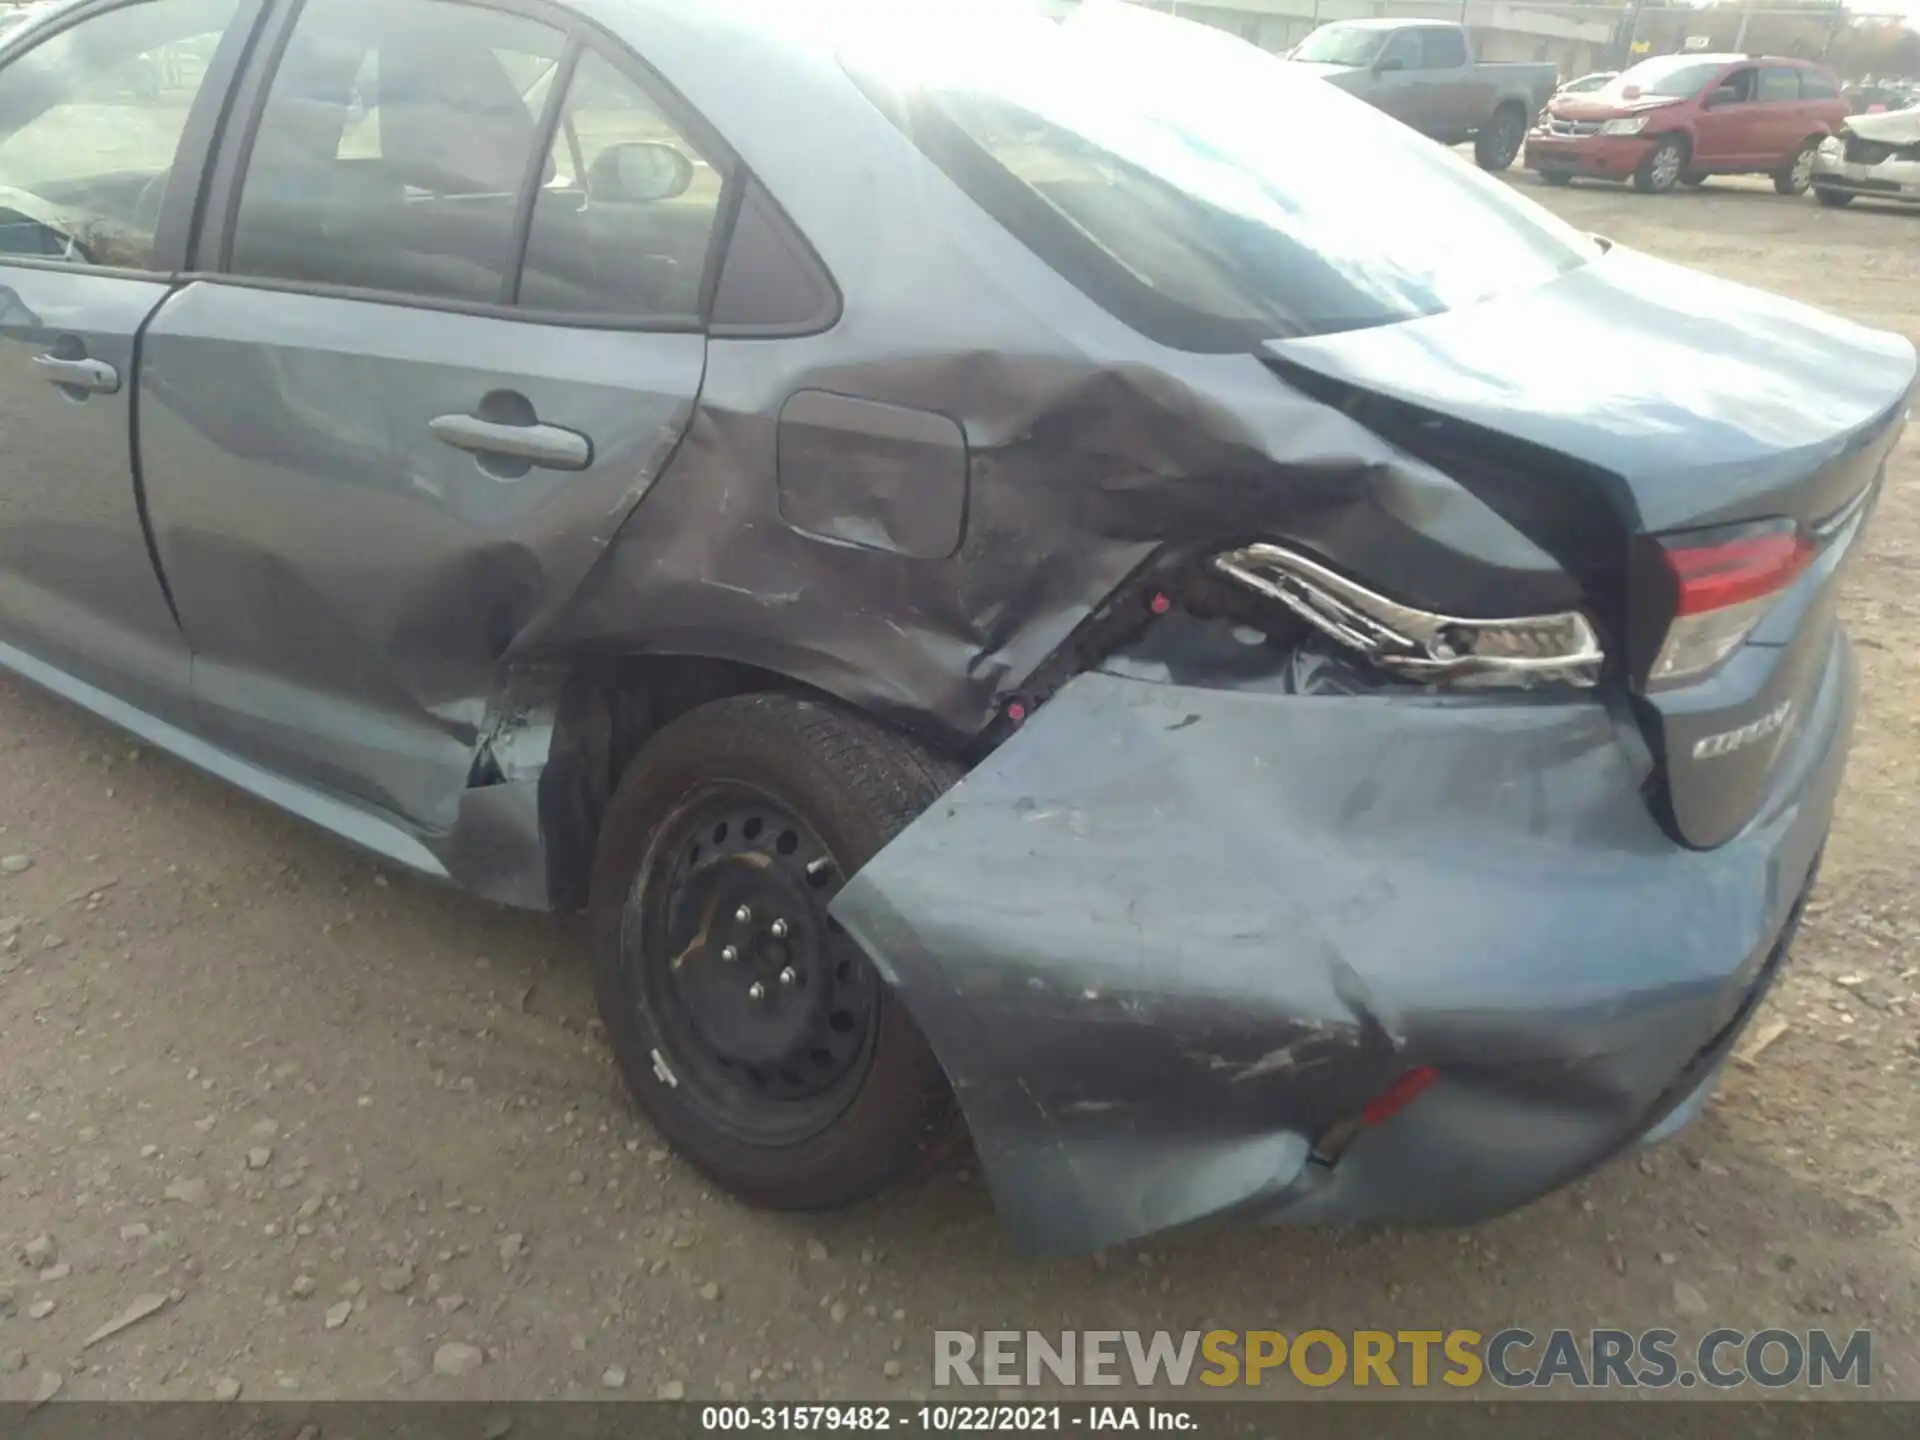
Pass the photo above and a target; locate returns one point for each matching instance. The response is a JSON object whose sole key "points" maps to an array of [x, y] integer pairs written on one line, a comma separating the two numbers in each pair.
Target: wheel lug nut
{"points": [[729, 954], [743, 915], [778, 929], [789, 976], [756, 991]]}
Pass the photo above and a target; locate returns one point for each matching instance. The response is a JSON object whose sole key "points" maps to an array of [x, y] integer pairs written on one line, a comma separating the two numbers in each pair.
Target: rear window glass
{"points": [[1160, 166]]}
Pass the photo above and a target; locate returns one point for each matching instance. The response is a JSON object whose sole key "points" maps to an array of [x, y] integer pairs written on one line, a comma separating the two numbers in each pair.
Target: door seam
{"points": [[135, 392]]}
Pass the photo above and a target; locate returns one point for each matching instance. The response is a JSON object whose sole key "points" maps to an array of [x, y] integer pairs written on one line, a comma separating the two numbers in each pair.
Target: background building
{"points": [[1580, 37]]}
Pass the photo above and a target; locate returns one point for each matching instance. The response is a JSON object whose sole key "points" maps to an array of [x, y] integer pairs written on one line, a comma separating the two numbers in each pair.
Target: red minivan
{"points": [[1676, 119]]}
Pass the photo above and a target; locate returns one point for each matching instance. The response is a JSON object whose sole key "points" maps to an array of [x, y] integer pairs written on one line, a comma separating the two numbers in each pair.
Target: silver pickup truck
{"points": [[1423, 72]]}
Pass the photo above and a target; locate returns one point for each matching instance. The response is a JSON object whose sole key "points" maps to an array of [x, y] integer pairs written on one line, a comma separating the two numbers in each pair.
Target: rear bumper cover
{"points": [[1165, 937]]}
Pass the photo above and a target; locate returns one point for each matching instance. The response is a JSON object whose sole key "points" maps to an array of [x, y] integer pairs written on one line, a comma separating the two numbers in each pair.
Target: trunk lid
{"points": [[1631, 399]]}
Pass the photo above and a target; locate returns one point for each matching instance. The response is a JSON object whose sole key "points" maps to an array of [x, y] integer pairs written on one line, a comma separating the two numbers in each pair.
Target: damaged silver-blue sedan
{"points": [[1011, 579]]}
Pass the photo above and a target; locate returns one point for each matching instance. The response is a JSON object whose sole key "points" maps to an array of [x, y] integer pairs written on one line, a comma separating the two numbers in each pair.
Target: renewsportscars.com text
{"points": [[1416, 1359]]}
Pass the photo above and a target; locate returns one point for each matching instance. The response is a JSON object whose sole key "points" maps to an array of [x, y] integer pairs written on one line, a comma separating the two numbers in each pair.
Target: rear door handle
{"points": [[548, 446], [95, 377]]}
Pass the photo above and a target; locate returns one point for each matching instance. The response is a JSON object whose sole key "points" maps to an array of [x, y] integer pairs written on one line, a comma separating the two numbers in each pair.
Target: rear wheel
{"points": [[750, 1028], [1662, 168], [1499, 140], [1796, 175], [1833, 199]]}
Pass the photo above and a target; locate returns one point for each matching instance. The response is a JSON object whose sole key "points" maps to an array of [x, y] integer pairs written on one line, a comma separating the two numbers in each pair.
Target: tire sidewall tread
{"points": [[857, 784]]}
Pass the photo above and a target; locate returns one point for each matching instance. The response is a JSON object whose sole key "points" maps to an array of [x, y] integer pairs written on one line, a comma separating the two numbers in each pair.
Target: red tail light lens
{"points": [[1397, 1096], [1724, 589], [1713, 577]]}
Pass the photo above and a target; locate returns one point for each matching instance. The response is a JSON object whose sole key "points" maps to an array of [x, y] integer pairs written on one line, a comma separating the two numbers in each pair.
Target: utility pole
{"points": [[1633, 32]]}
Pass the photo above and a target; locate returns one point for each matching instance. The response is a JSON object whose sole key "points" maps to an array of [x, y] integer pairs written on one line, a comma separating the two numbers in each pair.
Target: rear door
{"points": [[104, 121], [1784, 114], [452, 334]]}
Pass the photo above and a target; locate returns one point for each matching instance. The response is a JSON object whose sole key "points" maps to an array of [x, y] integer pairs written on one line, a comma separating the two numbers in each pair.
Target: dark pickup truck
{"points": [[1423, 72]]}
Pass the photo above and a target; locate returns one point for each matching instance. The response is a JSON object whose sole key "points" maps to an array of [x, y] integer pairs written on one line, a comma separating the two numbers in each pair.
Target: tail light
{"points": [[1339, 1138], [1723, 588], [1420, 644]]}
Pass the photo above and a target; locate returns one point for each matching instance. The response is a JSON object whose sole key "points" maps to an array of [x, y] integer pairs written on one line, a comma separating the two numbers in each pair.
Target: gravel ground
{"points": [[316, 1132]]}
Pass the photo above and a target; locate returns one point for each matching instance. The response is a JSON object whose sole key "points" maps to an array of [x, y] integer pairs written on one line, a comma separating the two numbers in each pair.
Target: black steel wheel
{"points": [[767, 1005], [748, 1025]]}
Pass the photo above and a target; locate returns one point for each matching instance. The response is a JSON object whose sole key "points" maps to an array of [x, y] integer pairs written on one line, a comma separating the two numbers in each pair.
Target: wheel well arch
{"points": [[607, 708]]}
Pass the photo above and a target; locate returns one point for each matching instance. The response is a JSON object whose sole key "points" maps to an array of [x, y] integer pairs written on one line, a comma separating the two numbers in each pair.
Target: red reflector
{"points": [[1712, 577], [1397, 1096]]}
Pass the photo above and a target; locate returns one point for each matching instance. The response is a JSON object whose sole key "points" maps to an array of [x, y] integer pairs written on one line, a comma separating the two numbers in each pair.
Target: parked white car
{"points": [[1874, 157]]}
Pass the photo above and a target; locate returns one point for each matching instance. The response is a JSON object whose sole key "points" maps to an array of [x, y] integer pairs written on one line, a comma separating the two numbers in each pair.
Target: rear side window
{"points": [[625, 223], [394, 148], [1442, 49], [1815, 86], [1778, 82], [1169, 183]]}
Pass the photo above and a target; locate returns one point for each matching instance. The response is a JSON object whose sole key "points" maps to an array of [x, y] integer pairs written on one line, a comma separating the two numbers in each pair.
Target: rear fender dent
{"points": [[1222, 921]]}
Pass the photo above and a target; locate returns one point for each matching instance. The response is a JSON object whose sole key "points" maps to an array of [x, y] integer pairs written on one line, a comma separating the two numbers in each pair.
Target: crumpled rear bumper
{"points": [[1165, 938]]}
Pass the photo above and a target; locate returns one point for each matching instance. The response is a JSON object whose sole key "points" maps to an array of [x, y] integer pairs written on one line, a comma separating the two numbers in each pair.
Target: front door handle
{"points": [[548, 446], [94, 377]]}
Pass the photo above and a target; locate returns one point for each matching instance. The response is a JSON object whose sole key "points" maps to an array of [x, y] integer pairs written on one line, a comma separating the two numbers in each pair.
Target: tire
{"points": [[834, 783], [1662, 168], [1832, 199], [1498, 144], [1796, 175], [1693, 179]]}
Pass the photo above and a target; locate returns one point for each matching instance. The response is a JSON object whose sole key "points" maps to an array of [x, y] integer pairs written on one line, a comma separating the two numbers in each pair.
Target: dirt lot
{"points": [[334, 1120]]}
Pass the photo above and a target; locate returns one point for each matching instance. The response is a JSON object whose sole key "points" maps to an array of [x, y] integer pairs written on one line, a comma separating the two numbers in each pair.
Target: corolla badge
{"points": [[1728, 741]]}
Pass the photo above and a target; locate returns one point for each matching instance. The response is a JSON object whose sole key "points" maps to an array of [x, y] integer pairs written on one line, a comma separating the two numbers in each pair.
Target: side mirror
{"points": [[1725, 95], [640, 173]]}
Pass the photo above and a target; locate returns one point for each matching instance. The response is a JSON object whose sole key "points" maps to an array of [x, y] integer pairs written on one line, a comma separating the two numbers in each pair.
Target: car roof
{"points": [[1732, 58], [1390, 22]]}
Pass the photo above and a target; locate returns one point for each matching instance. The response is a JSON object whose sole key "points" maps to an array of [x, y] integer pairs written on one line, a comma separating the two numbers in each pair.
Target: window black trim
{"points": [[486, 310], [527, 200], [193, 153], [755, 195], [213, 250]]}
